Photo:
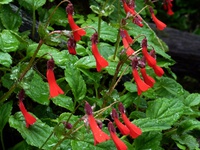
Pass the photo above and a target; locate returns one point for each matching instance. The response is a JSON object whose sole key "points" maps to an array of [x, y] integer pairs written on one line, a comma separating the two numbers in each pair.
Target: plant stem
{"points": [[99, 25], [2, 142], [34, 24], [117, 44]]}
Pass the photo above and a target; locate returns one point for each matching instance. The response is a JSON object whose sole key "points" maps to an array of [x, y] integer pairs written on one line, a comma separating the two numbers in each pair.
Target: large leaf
{"points": [[8, 41], [150, 140], [32, 4], [10, 19], [5, 1], [5, 59], [5, 112], [36, 88], [167, 111], [36, 134], [75, 81]]}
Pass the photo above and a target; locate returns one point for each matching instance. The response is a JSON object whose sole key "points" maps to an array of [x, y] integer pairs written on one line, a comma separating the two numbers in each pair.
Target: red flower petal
{"points": [[98, 134], [128, 9], [141, 85], [159, 24], [55, 90], [122, 128], [77, 31], [129, 50], [158, 70], [134, 130], [150, 60], [147, 79], [100, 61], [30, 120], [128, 38]]}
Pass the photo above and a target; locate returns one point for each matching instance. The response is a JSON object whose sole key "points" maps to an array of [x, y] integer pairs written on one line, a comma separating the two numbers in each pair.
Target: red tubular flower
{"points": [[100, 61], [55, 90], [168, 6], [150, 60], [30, 120], [126, 40], [138, 21], [98, 134], [159, 24], [122, 128], [147, 79], [141, 85], [118, 142], [134, 130], [77, 31], [127, 9], [71, 45]]}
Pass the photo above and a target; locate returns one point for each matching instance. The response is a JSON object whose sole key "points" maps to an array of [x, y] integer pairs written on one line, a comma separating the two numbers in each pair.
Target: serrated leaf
{"points": [[189, 124], [36, 89], [5, 112], [8, 41], [75, 81], [167, 87], [64, 101], [151, 140], [10, 20], [166, 110], [36, 134], [187, 140], [86, 62], [192, 100], [5, 59]]}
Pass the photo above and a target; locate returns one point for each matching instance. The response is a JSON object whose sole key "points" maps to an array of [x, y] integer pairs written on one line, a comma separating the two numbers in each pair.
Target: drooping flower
{"points": [[118, 142], [138, 21], [134, 130], [157, 69], [122, 128], [141, 85], [150, 60], [100, 61], [159, 24], [77, 31], [29, 119], [71, 45], [127, 9], [54, 89], [147, 79], [126, 40], [98, 134], [167, 4]]}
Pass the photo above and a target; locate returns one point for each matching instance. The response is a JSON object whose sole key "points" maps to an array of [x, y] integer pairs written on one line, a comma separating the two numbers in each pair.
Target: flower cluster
{"points": [[128, 128], [167, 4]]}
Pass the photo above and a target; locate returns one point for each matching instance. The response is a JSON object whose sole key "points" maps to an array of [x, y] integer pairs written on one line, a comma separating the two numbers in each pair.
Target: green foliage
{"points": [[167, 114]]}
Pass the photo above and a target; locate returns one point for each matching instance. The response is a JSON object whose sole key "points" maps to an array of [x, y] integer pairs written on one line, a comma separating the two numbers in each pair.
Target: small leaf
{"points": [[108, 10], [131, 87], [64, 101], [5, 112], [8, 41], [95, 9], [5, 59], [86, 62], [192, 100], [75, 81]]}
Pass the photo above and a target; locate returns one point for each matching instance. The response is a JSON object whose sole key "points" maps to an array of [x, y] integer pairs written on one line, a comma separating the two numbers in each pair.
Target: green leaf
{"points": [[187, 140], [108, 10], [149, 140], [5, 59], [32, 4], [22, 145], [95, 9], [64, 101], [75, 81], [6, 81], [59, 17], [189, 124], [86, 62], [8, 41], [166, 110], [36, 88], [167, 87], [5, 112], [10, 20], [131, 87], [5, 1], [36, 134], [149, 124], [192, 100]]}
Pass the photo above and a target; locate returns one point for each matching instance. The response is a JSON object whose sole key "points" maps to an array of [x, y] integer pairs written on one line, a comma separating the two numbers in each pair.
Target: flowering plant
{"points": [[100, 80]]}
